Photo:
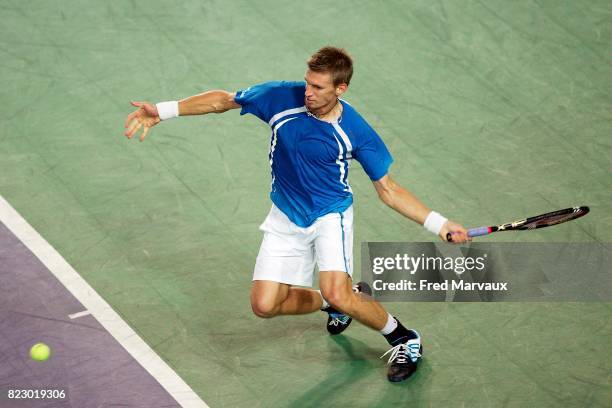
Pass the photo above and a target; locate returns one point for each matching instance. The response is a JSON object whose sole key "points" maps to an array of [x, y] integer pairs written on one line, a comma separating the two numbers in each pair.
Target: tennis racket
{"points": [[539, 221]]}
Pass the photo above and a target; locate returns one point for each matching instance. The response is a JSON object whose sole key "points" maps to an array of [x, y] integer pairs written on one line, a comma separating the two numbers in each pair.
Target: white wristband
{"points": [[434, 222], [167, 110]]}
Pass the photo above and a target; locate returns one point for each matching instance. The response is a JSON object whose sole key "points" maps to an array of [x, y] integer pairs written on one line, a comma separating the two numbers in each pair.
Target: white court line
{"points": [[80, 314], [98, 307]]}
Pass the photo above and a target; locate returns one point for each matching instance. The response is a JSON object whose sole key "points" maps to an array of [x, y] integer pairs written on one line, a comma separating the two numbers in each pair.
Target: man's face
{"points": [[320, 90]]}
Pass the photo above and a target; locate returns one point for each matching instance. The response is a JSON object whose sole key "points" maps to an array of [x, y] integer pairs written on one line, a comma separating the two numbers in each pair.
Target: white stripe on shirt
{"points": [[285, 113], [273, 145], [340, 163], [345, 139]]}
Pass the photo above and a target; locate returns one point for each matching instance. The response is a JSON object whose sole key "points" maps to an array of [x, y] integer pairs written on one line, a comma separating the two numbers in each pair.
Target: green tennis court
{"points": [[492, 110]]}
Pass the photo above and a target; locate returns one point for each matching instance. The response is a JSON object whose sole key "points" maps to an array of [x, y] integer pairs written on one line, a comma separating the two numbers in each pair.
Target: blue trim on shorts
{"points": [[343, 244]]}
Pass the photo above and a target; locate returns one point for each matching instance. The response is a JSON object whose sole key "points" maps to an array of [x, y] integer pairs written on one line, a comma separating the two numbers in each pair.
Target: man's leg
{"points": [[269, 299], [406, 350], [337, 289], [286, 255]]}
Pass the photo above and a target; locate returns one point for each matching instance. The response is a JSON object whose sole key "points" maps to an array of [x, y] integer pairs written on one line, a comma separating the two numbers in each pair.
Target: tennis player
{"points": [[315, 137]]}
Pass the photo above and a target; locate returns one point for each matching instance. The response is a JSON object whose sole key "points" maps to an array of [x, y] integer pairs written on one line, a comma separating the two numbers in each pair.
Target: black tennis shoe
{"points": [[404, 358], [337, 321]]}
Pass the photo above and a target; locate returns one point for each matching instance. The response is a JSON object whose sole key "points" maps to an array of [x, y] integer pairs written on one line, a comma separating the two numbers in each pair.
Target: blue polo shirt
{"points": [[310, 158]]}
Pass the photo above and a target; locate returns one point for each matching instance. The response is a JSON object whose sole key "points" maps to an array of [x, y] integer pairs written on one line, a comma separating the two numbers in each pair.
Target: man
{"points": [[315, 135]]}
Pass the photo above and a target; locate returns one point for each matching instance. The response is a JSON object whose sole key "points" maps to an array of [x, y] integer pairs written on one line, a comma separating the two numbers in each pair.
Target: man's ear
{"points": [[341, 88]]}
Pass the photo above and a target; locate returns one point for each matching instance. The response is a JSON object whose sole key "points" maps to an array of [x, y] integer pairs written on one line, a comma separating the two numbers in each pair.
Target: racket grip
{"points": [[477, 232], [474, 232]]}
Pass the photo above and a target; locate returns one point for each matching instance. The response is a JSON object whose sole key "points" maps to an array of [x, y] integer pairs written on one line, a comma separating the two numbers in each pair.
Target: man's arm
{"points": [[405, 203], [208, 102], [148, 115]]}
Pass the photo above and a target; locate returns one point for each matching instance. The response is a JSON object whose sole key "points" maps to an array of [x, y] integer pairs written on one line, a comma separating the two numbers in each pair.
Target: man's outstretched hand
{"points": [[145, 117], [458, 233]]}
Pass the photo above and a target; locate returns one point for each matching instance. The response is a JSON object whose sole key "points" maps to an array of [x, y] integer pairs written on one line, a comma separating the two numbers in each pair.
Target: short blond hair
{"points": [[335, 61]]}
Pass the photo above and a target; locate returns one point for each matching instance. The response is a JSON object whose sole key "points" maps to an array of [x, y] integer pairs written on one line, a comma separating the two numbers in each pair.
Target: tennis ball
{"points": [[40, 352]]}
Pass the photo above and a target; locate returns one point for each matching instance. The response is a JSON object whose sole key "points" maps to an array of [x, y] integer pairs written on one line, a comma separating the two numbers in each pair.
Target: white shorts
{"points": [[288, 253]]}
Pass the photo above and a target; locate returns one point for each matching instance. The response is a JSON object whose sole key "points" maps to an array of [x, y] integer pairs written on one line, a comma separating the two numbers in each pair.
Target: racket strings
{"points": [[553, 219]]}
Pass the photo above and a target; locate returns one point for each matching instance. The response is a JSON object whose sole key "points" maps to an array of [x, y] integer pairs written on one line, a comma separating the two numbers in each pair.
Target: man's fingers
{"points": [[131, 125], [133, 128], [130, 117], [137, 104], [462, 237], [144, 133], [458, 237]]}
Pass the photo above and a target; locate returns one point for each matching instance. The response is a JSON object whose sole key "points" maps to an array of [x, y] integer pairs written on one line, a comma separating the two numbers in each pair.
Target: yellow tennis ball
{"points": [[40, 352]]}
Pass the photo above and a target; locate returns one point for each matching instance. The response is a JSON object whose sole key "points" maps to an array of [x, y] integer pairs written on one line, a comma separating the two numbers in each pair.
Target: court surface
{"points": [[492, 110]]}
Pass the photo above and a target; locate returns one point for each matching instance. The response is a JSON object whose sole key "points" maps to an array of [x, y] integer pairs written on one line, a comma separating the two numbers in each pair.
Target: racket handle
{"points": [[477, 232], [474, 232]]}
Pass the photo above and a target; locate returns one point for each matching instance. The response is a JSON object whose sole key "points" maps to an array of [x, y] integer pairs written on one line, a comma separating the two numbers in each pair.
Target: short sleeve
{"points": [[267, 99], [372, 153]]}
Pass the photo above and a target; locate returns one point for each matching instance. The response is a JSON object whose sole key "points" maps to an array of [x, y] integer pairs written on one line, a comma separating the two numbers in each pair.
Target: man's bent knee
{"points": [[336, 288], [266, 298], [264, 309], [338, 298]]}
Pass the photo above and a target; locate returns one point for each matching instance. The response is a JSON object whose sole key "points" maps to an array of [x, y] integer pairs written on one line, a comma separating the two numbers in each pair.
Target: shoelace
{"points": [[338, 320], [399, 352]]}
